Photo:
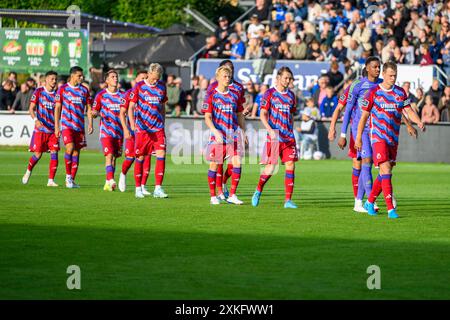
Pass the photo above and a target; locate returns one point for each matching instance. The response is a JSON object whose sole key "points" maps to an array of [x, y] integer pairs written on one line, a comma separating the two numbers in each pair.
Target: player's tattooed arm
{"points": [[210, 125], [90, 119], [57, 119], [131, 115], [414, 117]]}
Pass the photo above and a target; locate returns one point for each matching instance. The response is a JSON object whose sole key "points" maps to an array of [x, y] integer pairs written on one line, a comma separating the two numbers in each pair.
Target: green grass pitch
{"points": [[183, 248]]}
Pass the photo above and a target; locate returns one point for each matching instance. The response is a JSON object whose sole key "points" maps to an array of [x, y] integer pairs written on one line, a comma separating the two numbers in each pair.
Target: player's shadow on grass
{"points": [[148, 263]]}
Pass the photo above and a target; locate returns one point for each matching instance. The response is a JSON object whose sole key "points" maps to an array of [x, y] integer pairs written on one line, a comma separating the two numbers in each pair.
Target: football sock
{"points": [[366, 174], [386, 185], [289, 184], [32, 162], [235, 177], [228, 173], [138, 164], [127, 164], [109, 172], [376, 190], [53, 165], [68, 162], [212, 182], [219, 178], [355, 179], [159, 170], [75, 161], [146, 169], [262, 181]]}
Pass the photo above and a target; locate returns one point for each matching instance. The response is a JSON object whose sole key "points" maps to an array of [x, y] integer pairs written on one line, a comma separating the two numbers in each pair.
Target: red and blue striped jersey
{"points": [[234, 86], [73, 103], [224, 108], [280, 107], [108, 105], [356, 95], [45, 109], [385, 107], [125, 103], [150, 102]]}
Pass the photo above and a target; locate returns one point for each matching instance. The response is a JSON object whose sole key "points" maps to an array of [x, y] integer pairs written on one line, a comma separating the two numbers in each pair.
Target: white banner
{"points": [[16, 130], [418, 76]]}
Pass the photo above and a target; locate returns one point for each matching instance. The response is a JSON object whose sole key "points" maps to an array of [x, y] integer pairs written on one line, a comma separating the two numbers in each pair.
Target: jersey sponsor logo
{"points": [[388, 106]]}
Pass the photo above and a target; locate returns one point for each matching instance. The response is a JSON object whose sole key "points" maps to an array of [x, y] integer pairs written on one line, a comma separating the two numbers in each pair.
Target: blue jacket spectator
{"points": [[329, 103]]}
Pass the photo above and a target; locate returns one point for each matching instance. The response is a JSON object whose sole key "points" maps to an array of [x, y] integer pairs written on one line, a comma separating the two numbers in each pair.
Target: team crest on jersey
{"points": [[263, 102], [57, 97], [95, 104], [33, 97], [204, 106]]}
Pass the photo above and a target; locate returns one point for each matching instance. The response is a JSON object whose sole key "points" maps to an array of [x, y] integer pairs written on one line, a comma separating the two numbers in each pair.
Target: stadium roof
{"points": [[59, 18]]}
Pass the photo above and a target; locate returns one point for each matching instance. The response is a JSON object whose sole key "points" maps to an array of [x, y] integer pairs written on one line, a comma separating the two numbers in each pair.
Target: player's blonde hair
{"points": [[155, 67], [224, 68]]}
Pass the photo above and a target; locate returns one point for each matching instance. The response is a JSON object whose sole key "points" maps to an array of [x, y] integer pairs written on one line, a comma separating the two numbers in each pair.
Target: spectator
{"points": [[329, 104], [272, 51], [435, 92], [309, 131], [249, 96], [362, 35], [22, 100], [444, 102], [239, 30], [181, 106], [344, 36], [257, 103], [254, 49], [262, 10], [313, 52], [237, 48], [327, 35], [388, 51], [213, 49], [338, 52], [284, 50], [254, 27], [408, 52], [173, 94], [320, 93], [348, 10], [420, 100], [201, 97], [354, 52], [335, 75], [299, 8], [298, 49], [6, 96], [277, 13], [415, 24], [12, 76], [31, 83], [314, 11], [430, 114], [425, 57], [224, 30], [292, 34], [192, 95]]}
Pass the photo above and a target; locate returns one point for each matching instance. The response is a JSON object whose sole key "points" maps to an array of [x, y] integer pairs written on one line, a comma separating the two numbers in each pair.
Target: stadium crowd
{"points": [[347, 32]]}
